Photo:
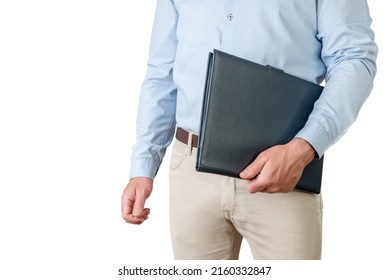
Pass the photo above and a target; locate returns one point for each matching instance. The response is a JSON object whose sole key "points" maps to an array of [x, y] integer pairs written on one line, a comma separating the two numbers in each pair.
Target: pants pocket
{"points": [[178, 155]]}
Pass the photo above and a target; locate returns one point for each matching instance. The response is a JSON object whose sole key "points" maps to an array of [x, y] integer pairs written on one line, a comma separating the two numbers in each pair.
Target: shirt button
{"points": [[230, 17]]}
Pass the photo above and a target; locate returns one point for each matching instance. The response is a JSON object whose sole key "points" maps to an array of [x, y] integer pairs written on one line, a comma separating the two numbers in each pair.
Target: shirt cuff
{"points": [[143, 167], [315, 134]]}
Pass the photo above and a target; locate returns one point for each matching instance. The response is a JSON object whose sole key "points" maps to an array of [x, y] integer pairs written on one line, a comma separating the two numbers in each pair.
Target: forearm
{"points": [[349, 53], [154, 129], [157, 103], [338, 107]]}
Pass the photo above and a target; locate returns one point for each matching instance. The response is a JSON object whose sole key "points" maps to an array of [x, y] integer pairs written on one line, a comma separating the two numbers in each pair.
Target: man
{"points": [[210, 214]]}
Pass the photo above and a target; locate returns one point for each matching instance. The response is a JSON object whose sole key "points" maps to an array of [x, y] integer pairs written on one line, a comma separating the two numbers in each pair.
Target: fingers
{"points": [[273, 171], [130, 215], [139, 213], [137, 220], [272, 179], [262, 183], [254, 168], [139, 204], [133, 200]]}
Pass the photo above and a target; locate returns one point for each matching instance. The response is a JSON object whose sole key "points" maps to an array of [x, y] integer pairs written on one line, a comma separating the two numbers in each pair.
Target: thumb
{"points": [[254, 168], [139, 204]]}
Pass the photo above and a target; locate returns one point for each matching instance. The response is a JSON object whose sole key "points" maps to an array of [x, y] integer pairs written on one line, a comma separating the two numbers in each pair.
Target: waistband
{"points": [[186, 137]]}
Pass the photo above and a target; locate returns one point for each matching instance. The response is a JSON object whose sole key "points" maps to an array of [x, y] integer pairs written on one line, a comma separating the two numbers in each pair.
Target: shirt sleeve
{"points": [[156, 112], [349, 53]]}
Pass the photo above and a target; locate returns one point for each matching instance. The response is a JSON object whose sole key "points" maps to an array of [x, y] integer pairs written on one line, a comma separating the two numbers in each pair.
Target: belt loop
{"points": [[189, 144]]}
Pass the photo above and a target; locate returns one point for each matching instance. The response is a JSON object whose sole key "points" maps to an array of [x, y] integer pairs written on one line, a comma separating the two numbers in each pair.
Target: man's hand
{"points": [[279, 168], [134, 199]]}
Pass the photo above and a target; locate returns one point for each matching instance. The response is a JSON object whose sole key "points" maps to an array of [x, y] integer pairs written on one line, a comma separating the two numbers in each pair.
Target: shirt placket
{"points": [[229, 26]]}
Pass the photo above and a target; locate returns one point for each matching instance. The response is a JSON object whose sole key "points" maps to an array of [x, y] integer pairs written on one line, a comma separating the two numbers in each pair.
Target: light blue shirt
{"points": [[315, 40]]}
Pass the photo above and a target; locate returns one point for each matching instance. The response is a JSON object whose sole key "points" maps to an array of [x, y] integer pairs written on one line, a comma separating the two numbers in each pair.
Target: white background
{"points": [[70, 74]]}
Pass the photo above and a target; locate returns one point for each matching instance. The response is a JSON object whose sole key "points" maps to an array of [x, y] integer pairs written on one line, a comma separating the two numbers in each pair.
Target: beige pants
{"points": [[210, 214]]}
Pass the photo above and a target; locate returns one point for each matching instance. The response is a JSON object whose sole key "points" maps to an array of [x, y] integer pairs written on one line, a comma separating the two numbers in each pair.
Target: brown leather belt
{"points": [[183, 136]]}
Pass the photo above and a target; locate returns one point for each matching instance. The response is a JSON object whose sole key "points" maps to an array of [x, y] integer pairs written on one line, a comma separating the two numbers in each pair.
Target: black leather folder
{"points": [[248, 108]]}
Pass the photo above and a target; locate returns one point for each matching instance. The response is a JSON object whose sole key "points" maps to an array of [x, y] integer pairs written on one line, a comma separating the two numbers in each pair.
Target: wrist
{"points": [[304, 151], [141, 179]]}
